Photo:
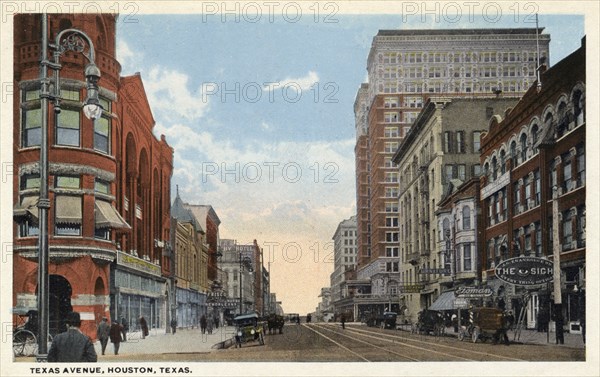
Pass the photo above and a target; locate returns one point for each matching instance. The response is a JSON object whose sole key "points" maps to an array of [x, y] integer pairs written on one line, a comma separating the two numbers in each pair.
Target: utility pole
{"points": [[556, 273]]}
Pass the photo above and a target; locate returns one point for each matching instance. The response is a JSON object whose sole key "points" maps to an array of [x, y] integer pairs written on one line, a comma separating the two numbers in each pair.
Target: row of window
{"points": [[456, 86], [68, 127], [398, 117], [460, 57], [412, 102], [64, 225], [447, 72]]}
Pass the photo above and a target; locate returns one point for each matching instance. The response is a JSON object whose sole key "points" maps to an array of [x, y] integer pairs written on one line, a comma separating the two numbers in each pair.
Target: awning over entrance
{"points": [[68, 210], [107, 216], [444, 302], [27, 208]]}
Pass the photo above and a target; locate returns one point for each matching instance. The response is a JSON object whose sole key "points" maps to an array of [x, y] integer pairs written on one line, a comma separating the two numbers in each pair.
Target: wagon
{"points": [[248, 329], [488, 323], [430, 321]]}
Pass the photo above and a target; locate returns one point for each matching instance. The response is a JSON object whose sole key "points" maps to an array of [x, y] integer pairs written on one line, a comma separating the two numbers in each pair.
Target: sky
{"points": [[259, 110]]}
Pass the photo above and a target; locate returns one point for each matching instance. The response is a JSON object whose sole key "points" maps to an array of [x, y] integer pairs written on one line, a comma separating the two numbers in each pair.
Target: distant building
{"points": [[344, 254]]}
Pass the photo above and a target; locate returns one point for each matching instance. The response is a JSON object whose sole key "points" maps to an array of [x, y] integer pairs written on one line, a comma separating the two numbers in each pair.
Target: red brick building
{"points": [[109, 182], [539, 146]]}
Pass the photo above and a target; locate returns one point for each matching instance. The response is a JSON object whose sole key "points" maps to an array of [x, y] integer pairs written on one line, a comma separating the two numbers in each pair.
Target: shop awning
{"points": [[68, 210], [27, 208], [107, 216], [444, 302]]}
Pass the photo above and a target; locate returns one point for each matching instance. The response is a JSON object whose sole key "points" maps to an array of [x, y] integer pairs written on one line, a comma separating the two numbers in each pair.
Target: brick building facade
{"points": [[108, 183]]}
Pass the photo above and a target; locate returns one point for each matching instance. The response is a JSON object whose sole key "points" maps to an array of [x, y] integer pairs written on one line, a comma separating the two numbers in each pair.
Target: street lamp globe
{"points": [[91, 106]]}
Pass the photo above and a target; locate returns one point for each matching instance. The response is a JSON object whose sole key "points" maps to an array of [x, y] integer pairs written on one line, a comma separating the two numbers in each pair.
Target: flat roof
{"points": [[405, 32]]}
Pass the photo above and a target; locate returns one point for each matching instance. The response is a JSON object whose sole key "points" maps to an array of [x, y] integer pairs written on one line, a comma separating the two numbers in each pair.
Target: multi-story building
{"points": [[209, 221], [405, 68], [534, 178], [243, 266], [344, 254], [440, 152], [108, 182], [191, 264]]}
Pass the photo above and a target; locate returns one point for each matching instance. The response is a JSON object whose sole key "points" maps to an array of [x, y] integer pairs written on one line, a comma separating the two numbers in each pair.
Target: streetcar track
{"points": [[337, 344], [372, 344], [404, 344], [401, 340]]}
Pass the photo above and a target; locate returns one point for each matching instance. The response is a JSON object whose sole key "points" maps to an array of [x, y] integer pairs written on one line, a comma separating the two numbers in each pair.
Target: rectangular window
{"points": [[102, 135], [447, 142], [460, 142], [102, 187], [391, 251], [32, 127], [449, 169], [67, 182], [390, 117], [391, 132], [69, 94], [567, 175], [390, 102], [528, 235], [390, 147], [476, 141], [391, 192], [391, 177], [538, 187], [567, 230], [391, 222], [580, 166], [467, 259], [67, 129], [476, 170], [391, 206], [538, 239], [517, 198], [462, 172], [391, 236], [67, 215], [30, 181], [102, 234]]}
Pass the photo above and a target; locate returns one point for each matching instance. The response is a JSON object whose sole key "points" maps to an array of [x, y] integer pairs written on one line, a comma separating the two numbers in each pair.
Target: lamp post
{"points": [[66, 40]]}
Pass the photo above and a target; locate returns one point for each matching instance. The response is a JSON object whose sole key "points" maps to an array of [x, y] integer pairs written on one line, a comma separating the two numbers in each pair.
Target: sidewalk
{"points": [[541, 338], [183, 341]]}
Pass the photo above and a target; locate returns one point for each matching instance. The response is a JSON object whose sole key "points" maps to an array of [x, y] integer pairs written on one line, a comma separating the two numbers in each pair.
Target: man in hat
{"points": [[72, 346], [115, 335], [102, 333]]}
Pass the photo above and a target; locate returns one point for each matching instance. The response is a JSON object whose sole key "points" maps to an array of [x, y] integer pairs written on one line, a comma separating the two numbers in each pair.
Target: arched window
{"points": [[513, 154], [466, 218], [535, 134], [502, 162], [523, 145], [494, 168], [563, 121], [578, 108]]}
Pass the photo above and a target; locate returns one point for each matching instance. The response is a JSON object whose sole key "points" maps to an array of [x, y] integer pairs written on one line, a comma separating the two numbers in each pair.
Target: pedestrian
{"points": [[102, 333], [343, 319], [115, 335], [72, 346], [174, 325], [209, 324], [143, 326], [203, 323], [216, 322], [510, 320], [124, 328]]}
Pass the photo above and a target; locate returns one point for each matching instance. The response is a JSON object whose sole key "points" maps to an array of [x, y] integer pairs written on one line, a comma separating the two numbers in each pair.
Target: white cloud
{"points": [[302, 83], [169, 94], [127, 57]]}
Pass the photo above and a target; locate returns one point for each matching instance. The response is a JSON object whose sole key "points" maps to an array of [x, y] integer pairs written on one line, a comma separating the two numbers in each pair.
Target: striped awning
{"points": [[68, 209], [107, 216], [444, 302], [27, 209]]}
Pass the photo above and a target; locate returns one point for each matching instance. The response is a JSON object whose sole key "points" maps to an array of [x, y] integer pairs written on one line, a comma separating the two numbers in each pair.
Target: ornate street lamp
{"points": [[66, 40]]}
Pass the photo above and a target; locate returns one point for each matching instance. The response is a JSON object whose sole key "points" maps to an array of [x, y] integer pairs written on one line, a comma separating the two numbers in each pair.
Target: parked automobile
{"points": [[248, 329], [387, 320], [430, 321]]}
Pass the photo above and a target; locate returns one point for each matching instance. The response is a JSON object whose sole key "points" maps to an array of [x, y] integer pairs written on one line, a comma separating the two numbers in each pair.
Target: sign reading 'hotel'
{"points": [[525, 271]]}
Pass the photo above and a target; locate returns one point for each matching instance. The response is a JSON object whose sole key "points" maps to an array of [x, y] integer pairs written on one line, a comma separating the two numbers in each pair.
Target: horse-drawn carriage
{"points": [[275, 322], [25, 332], [248, 329], [429, 321], [488, 323]]}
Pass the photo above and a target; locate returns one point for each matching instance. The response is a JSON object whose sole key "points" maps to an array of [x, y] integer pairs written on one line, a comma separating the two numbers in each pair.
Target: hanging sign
{"points": [[525, 271]]}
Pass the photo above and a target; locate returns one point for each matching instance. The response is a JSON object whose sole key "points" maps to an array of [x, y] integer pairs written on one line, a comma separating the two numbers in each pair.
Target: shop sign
{"points": [[442, 271], [473, 292], [525, 271], [411, 288], [461, 303]]}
